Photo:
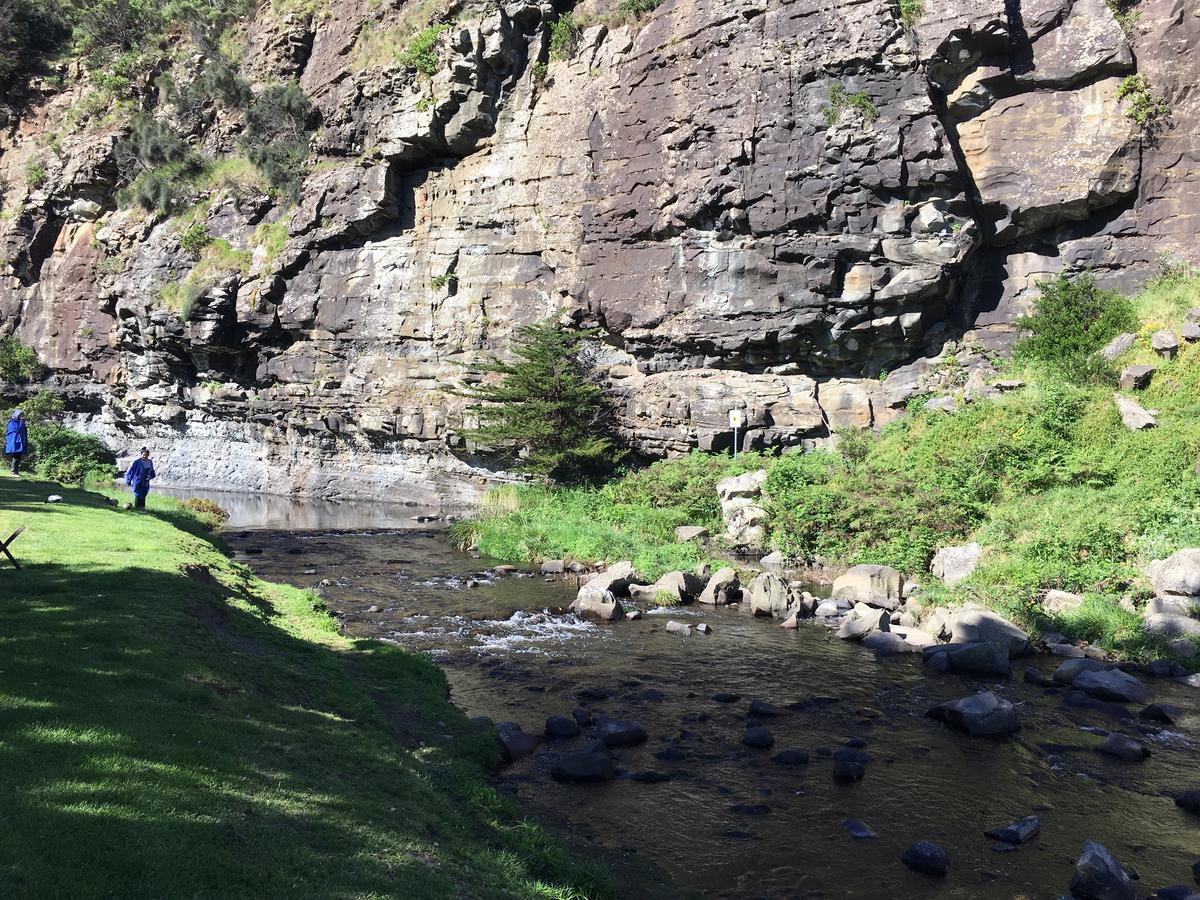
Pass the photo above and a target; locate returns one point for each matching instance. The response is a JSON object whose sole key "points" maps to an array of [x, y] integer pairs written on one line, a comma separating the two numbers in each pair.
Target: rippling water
{"points": [[511, 654]]}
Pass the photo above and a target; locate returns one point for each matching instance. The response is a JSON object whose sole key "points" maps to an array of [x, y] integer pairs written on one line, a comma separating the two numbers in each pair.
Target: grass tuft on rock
{"points": [[174, 727]]}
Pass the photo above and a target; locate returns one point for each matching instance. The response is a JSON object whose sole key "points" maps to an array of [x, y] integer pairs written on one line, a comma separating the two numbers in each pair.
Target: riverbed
{"points": [[693, 812]]}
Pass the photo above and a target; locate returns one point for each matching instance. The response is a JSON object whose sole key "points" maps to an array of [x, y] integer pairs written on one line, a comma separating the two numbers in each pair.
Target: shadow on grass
{"points": [[158, 740]]}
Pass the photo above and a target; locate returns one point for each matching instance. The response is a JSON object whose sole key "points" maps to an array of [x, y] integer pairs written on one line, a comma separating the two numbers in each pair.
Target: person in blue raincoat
{"points": [[16, 440], [141, 470]]}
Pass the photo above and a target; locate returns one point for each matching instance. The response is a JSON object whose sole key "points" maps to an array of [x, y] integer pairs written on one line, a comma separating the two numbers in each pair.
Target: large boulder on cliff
{"points": [[741, 507], [871, 584]]}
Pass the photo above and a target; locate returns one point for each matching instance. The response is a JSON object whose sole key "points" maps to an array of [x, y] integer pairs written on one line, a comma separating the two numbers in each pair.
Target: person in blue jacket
{"points": [[141, 470], [16, 440]]}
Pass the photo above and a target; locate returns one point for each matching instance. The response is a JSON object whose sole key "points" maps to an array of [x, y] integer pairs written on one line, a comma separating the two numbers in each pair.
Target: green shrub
{"points": [[564, 36], [437, 282], [545, 408], [66, 456], [194, 239], [1073, 319], [840, 101], [540, 70], [1148, 110], [209, 512], [18, 363], [35, 175], [910, 12], [632, 10], [275, 137], [421, 51]]}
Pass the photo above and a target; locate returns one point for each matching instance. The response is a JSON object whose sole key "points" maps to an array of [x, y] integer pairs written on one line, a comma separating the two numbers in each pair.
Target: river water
{"points": [[728, 821]]}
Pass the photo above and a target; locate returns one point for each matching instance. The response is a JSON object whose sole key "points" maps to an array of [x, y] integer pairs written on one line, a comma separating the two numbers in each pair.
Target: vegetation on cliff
{"points": [[175, 727], [1059, 492], [544, 407]]}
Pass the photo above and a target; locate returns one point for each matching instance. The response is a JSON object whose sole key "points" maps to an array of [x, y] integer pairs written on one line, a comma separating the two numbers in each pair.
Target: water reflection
{"points": [[274, 512]]}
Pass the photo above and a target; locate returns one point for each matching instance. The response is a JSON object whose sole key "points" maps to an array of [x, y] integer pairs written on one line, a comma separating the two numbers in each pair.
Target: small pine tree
{"points": [[546, 405]]}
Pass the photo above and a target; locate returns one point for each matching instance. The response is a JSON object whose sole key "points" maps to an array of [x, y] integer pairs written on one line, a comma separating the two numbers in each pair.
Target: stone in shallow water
{"points": [[1098, 875], [1113, 684], [848, 771], [596, 764], [621, 733], [758, 737], [1017, 832], [791, 757], [926, 857], [1161, 712], [1123, 747], [980, 715], [858, 829], [765, 709], [516, 742], [1190, 801], [561, 727], [726, 697]]}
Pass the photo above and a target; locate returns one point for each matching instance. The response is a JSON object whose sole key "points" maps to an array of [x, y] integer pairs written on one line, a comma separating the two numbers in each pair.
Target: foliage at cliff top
{"points": [[212, 735], [1047, 478], [545, 406]]}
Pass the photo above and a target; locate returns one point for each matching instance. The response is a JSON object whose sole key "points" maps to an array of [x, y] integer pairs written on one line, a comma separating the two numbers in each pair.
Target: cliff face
{"points": [[760, 202]]}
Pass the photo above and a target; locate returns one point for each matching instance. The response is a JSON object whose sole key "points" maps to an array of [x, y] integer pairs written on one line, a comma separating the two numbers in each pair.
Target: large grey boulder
{"points": [[1061, 602], [984, 658], [973, 626], [769, 596], [954, 564], [1136, 378], [980, 715], [617, 578], [593, 603], [1172, 626], [687, 533], [1112, 684], [1164, 344], [1118, 345], [723, 587], [592, 763], [1177, 575], [672, 588], [741, 507], [875, 585], [1098, 876], [1133, 416], [888, 643], [863, 620], [1073, 668]]}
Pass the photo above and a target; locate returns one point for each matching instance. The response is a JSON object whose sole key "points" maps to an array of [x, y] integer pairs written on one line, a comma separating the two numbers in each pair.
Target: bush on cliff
{"points": [[545, 408], [18, 363]]}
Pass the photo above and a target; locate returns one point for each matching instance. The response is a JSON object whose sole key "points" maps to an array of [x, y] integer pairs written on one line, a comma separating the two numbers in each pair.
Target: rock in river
{"points": [[1189, 801], [561, 727], [926, 857], [973, 626], [863, 620], [983, 658], [620, 733], [980, 715], [593, 763], [723, 587], [1123, 747], [1017, 832], [516, 742], [1113, 684], [859, 830], [758, 737], [1098, 876], [791, 758], [873, 585], [1073, 668]]}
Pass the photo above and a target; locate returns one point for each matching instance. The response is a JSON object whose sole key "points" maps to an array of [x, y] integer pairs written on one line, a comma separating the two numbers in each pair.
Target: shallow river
{"points": [[730, 822]]}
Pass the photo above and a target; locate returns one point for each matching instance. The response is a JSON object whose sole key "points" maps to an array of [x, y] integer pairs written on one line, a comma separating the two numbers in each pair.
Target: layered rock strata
{"points": [[762, 204]]}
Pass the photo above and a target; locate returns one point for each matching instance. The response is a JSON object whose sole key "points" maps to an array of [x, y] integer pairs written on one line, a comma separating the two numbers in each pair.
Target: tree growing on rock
{"points": [[544, 407]]}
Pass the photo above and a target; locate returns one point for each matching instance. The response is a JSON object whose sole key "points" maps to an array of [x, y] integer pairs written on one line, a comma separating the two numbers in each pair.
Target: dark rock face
{"points": [[1098, 876], [694, 188], [926, 857], [980, 715]]}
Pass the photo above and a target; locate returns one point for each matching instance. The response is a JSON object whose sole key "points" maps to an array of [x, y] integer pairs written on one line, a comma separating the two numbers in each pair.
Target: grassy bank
{"points": [[1046, 477], [171, 736]]}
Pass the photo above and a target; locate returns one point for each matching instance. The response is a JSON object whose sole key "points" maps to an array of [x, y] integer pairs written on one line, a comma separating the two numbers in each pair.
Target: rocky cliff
{"points": [[809, 208]]}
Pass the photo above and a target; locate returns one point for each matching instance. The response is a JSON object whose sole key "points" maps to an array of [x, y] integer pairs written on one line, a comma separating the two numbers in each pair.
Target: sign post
{"points": [[737, 419]]}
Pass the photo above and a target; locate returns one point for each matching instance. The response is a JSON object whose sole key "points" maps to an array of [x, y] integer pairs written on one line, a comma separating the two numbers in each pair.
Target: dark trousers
{"points": [[16, 463], [139, 501]]}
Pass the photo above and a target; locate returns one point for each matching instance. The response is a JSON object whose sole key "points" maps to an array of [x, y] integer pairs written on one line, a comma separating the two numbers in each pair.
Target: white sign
{"points": [[737, 418]]}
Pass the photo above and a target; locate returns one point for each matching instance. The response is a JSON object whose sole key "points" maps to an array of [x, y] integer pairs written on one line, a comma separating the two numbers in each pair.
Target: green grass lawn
{"points": [[171, 736]]}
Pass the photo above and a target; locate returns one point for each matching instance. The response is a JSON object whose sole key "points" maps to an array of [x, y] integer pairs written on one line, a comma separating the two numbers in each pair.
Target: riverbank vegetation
{"points": [[174, 727], [1046, 477]]}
